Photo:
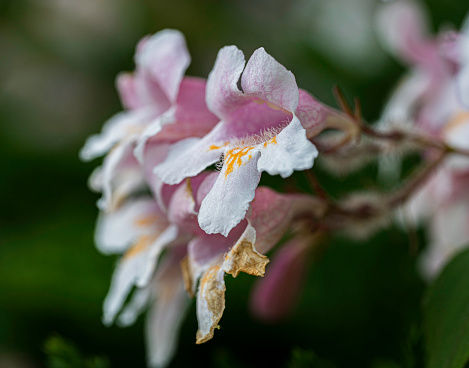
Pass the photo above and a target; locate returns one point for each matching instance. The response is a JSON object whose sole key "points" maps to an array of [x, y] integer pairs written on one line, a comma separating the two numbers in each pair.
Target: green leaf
{"points": [[446, 316]]}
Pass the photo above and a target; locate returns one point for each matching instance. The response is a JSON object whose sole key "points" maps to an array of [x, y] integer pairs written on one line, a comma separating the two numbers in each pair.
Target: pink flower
{"points": [[275, 295], [140, 230], [432, 98], [161, 107], [261, 128], [427, 97]]}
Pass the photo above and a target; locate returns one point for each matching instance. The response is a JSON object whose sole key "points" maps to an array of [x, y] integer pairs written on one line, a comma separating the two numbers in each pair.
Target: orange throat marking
{"points": [[234, 158]]}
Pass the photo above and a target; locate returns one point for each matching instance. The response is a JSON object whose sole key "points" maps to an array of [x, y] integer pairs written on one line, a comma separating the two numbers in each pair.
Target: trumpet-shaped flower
{"points": [[140, 230], [161, 107], [261, 128]]}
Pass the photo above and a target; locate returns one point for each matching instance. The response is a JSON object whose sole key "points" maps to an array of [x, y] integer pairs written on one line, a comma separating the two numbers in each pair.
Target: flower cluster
{"points": [[433, 99], [180, 229], [179, 225]]}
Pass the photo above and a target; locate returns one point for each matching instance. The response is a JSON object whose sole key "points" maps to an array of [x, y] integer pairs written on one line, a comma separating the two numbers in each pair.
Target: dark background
{"points": [[58, 62]]}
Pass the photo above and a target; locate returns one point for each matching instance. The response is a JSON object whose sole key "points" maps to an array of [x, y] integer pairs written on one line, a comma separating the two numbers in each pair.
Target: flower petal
{"points": [[266, 79], [135, 307], [114, 130], [223, 95], [228, 200], [210, 302], [164, 239], [163, 59], [121, 175], [273, 213], [116, 230], [206, 250], [125, 83], [403, 28], [290, 150], [189, 117], [274, 296], [189, 157], [164, 320], [243, 256], [124, 278]]}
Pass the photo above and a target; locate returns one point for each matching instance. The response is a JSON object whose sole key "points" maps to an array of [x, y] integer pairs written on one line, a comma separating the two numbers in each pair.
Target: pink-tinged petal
{"points": [[168, 236], [402, 27], [154, 154], [223, 95], [165, 318], [137, 304], [189, 157], [116, 230], [190, 117], [182, 209], [125, 84], [205, 187], [206, 250], [162, 60], [275, 295], [290, 150], [191, 109], [117, 128], [228, 201], [273, 213], [253, 119], [266, 79], [311, 112]]}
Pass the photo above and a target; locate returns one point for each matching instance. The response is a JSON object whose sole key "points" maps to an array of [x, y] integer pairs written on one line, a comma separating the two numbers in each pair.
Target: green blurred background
{"points": [[58, 62]]}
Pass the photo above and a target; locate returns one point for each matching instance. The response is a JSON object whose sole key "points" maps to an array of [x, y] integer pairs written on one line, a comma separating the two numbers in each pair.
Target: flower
{"points": [[432, 100], [262, 127], [427, 97], [161, 107], [140, 230]]}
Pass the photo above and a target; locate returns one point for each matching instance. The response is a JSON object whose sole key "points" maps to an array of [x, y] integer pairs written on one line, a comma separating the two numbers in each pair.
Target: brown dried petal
{"points": [[210, 303]]}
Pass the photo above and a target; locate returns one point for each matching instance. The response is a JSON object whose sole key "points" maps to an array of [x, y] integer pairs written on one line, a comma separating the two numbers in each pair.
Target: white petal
{"points": [[290, 150], [116, 230], [190, 156], [117, 128], [121, 175], [135, 307], [152, 129], [164, 322], [122, 282], [165, 238], [228, 200]]}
